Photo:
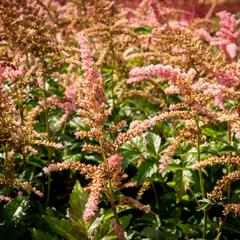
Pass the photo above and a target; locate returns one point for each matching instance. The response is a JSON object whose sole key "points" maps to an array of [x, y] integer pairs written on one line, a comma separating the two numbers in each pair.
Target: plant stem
{"points": [[112, 202], [156, 196], [200, 170], [48, 137], [201, 178], [21, 112], [211, 9], [229, 167], [84, 7], [109, 194], [6, 168], [228, 171], [102, 150], [113, 69]]}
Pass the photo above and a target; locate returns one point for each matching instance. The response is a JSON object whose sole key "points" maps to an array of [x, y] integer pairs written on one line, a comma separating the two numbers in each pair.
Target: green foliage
{"points": [[39, 235], [12, 218], [72, 227]]}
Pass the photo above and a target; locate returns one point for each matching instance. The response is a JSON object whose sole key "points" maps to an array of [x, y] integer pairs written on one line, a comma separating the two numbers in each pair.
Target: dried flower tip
{"points": [[221, 185], [23, 185], [232, 207], [218, 160], [131, 201], [96, 188], [5, 198], [48, 144], [73, 165], [129, 184], [170, 150], [146, 185]]}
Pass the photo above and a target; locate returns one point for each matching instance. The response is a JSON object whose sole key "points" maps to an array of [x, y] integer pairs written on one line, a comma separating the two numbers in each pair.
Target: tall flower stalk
{"points": [[201, 181], [46, 110]]}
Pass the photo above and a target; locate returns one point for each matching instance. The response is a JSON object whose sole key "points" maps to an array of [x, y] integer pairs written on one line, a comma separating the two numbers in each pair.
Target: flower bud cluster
{"points": [[222, 184]]}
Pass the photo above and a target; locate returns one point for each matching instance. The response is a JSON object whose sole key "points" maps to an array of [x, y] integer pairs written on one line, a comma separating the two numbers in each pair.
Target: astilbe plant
{"points": [[204, 88], [13, 134], [204, 80], [93, 109], [128, 96], [26, 43]]}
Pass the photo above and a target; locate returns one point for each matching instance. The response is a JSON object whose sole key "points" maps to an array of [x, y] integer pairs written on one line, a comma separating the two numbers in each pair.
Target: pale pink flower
{"points": [[71, 92], [115, 160], [232, 49], [227, 37], [219, 99], [165, 72], [136, 79], [228, 25], [228, 78], [67, 106], [91, 206]]}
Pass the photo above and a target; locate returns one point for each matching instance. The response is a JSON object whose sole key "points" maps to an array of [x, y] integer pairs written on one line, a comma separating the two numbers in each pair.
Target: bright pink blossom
{"points": [[154, 6], [227, 37], [115, 160]]}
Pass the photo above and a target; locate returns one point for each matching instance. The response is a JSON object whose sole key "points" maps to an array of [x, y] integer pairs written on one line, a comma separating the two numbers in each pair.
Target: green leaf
{"points": [[186, 228], [218, 236], [63, 228], [39, 235], [74, 227], [77, 202], [227, 149], [153, 143], [154, 234], [12, 225], [125, 221], [143, 30], [232, 228], [96, 223], [179, 187], [15, 210], [146, 170], [181, 181], [132, 150]]}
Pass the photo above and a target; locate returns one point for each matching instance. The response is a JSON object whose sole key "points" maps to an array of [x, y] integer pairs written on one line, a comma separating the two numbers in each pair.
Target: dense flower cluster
{"points": [[228, 35]]}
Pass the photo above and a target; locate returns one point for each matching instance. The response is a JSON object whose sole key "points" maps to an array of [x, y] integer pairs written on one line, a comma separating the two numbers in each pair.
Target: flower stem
{"points": [[102, 150], [201, 178], [211, 10], [21, 113], [113, 70], [228, 171], [48, 138], [229, 167], [112, 202], [156, 196], [109, 193]]}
